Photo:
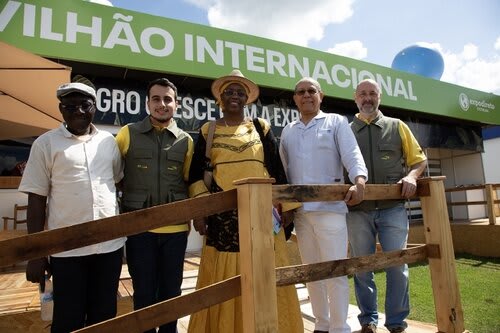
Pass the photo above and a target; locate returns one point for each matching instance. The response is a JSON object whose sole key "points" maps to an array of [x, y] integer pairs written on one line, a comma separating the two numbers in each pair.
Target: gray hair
{"points": [[310, 80]]}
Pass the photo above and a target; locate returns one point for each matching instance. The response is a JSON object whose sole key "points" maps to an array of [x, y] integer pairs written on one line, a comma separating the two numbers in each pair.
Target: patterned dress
{"points": [[237, 152]]}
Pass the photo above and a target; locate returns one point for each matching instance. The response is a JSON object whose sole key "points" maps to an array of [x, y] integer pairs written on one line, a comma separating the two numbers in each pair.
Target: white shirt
{"points": [[77, 174], [317, 153]]}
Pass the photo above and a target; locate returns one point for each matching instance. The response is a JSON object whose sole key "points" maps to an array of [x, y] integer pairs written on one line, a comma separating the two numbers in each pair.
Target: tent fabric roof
{"points": [[28, 84]]}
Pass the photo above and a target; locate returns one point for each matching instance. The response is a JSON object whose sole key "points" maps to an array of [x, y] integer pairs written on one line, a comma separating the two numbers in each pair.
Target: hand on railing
{"points": [[200, 225]]}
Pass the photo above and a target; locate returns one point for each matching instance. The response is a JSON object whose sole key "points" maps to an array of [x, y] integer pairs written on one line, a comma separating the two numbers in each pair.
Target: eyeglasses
{"points": [[85, 107], [310, 91], [231, 92]]}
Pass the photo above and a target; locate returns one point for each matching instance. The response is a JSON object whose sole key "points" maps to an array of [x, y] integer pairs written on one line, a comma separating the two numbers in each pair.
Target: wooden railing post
{"points": [[491, 196], [258, 278], [449, 313]]}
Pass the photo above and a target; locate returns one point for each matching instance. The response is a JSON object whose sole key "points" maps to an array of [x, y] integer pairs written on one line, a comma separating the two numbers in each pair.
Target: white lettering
{"points": [[235, 53], [320, 72], [277, 116], [168, 40], [399, 89], [275, 60], [8, 12], [338, 81], [29, 20], [103, 103], [133, 102], [46, 26], [119, 27], [72, 28], [187, 107], [198, 111], [188, 47], [253, 59], [203, 46]]}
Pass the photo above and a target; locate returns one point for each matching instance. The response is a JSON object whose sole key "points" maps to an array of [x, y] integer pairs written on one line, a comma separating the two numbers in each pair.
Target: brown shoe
{"points": [[369, 328]]}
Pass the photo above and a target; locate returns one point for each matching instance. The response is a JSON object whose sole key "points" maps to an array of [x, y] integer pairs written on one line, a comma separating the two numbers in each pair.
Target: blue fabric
{"points": [[85, 289], [155, 262], [391, 225]]}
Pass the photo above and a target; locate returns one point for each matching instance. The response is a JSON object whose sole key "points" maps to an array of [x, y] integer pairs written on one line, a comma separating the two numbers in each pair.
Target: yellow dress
{"points": [[237, 153]]}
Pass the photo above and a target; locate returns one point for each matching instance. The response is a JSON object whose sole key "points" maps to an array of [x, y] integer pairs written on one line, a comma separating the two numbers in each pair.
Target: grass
{"points": [[479, 284]]}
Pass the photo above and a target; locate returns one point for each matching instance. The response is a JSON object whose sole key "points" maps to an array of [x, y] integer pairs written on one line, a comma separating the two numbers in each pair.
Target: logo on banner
{"points": [[463, 99]]}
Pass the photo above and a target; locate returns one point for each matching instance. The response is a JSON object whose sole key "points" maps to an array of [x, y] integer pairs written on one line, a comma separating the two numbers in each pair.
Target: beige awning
{"points": [[28, 83]]}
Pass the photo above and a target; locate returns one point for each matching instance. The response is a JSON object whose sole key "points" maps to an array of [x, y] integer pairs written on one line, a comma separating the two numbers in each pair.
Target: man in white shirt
{"points": [[315, 150], [70, 176]]}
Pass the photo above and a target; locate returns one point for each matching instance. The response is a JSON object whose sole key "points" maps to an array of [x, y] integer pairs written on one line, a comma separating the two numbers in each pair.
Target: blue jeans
{"points": [[155, 262], [85, 289], [391, 225]]}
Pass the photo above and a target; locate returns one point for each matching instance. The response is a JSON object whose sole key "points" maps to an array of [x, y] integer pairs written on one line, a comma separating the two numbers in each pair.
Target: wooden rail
{"points": [[9, 182], [259, 277], [490, 192]]}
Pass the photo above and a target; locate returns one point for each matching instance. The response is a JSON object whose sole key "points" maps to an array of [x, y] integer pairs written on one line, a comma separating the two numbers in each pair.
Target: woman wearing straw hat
{"points": [[237, 151]]}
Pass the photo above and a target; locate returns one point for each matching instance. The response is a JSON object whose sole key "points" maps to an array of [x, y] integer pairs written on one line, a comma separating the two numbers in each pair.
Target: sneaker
{"points": [[397, 330], [368, 328]]}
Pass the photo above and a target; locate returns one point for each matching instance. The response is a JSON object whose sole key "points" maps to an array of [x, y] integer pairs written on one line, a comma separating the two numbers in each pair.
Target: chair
{"points": [[19, 216]]}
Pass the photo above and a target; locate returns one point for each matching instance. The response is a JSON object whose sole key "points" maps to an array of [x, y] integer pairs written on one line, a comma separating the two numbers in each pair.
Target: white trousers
{"points": [[322, 236]]}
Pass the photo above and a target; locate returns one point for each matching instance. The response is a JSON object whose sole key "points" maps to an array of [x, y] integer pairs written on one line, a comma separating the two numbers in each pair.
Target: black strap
{"points": [[259, 129]]}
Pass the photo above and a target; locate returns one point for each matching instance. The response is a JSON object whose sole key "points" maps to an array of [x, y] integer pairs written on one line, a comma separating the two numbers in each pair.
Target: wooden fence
{"points": [[490, 193], [259, 277]]}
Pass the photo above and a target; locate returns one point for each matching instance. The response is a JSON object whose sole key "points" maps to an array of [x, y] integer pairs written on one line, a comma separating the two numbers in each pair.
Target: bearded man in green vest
{"points": [[392, 155], [157, 157]]}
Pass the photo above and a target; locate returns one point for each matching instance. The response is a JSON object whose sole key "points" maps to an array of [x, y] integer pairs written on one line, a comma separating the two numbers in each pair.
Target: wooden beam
{"points": [[308, 193], [167, 311], [258, 279], [313, 272], [437, 230], [43, 243], [491, 196], [9, 182]]}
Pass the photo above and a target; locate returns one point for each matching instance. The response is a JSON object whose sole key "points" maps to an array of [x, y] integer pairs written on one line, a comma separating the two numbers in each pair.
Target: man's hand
{"points": [[356, 192], [35, 271], [409, 183], [409, 186], [200, 225]]}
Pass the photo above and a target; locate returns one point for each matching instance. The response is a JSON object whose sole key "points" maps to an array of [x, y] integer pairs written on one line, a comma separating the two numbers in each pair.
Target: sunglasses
{"points": [[310, 91], [231, 92], [85, 107]]}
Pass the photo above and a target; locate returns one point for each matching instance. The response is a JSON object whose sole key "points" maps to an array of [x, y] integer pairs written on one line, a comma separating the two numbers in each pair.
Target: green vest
{"points": [[382, 149], [154, 166]]}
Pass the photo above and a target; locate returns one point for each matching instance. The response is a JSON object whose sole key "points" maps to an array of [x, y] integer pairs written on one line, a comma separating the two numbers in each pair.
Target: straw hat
{"points": [[237, 77]]}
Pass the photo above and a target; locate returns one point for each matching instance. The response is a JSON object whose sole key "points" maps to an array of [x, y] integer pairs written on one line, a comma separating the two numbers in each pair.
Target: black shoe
{"points": [[397, 330], [368, 328], [318, 331]]}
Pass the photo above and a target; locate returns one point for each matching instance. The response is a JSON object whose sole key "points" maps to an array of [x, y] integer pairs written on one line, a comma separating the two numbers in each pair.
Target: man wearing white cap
{"points": [[70, 179]]}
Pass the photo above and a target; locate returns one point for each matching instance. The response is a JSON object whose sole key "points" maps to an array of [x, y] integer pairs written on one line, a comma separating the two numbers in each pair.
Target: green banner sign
{"points": [[87, 32]]}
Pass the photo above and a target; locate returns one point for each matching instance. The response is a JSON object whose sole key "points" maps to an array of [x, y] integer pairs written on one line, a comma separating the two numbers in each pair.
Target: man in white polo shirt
{"points": [[71, 175]]}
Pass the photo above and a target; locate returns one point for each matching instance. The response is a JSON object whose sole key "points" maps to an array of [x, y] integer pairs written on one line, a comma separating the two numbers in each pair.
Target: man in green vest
{"points": [[157, 157], [392, 155]]}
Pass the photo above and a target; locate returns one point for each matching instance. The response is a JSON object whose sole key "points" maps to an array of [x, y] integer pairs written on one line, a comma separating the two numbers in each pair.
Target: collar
{"points": [[172, 127], [368, 122], [320, 115]]}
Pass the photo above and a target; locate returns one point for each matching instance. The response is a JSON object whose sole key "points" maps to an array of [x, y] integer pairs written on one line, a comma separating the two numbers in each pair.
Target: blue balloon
{"points": [[420, 60]]}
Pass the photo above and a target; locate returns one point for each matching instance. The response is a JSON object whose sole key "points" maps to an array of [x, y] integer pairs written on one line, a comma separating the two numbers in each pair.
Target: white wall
{"points": [[491, 160]]}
